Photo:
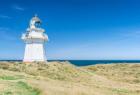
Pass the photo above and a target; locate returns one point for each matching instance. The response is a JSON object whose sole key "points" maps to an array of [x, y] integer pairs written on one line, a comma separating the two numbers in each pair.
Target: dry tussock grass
{"points": [[129, 73], [63, 78]]}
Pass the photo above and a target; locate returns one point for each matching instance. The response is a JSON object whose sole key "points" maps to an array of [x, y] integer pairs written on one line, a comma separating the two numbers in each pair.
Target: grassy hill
{"points": [[63, 78]]}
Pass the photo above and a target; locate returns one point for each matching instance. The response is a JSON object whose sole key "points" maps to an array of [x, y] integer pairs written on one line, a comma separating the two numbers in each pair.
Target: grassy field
{"points": [[63, 78]]}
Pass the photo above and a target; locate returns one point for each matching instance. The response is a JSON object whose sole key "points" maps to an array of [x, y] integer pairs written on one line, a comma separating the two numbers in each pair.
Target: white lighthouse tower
{"points": [[35, 39]]}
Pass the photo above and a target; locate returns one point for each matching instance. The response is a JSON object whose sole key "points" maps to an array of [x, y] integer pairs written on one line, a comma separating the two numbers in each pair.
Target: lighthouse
{"points": [[35, 39]]}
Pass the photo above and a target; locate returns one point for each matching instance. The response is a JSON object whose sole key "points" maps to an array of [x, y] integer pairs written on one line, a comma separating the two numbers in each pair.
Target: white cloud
{"points": [[5, 16], [17, 7]]}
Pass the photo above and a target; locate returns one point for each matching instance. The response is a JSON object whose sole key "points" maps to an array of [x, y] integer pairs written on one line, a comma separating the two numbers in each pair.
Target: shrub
{"points": [[93, 68], [4, 65]]}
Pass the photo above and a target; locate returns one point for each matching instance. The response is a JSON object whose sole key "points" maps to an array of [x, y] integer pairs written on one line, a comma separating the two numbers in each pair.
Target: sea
{"points": [[89, 62], [94, 62]]}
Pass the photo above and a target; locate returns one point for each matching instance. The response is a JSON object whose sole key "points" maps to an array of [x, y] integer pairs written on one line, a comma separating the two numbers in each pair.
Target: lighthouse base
{"points": [[34, 52]]}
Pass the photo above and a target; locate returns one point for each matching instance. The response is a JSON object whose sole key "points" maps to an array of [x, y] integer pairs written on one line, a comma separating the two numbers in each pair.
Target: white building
{"points": [[34, 39]]}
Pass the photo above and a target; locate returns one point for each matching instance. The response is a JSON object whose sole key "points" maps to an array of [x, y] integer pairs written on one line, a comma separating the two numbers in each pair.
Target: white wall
{"points": [[34, 51]]}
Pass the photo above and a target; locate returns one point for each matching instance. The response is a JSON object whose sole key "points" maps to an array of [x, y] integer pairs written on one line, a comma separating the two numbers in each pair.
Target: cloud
{"points": [[17, 7], [5, 16]]}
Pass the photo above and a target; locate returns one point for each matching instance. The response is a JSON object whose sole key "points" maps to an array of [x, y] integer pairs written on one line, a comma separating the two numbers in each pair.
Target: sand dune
{"points": [[63, 78]]}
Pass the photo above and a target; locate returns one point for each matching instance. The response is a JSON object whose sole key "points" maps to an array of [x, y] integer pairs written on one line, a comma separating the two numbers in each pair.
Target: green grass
{"points": [[25, 86], [20, 88], [123, 91], [8, 78]]}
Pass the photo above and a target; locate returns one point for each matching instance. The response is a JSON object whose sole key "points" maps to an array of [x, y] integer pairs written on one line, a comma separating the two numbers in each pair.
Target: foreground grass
{"points": [[63, 78], [14, 83], [18, 88]]}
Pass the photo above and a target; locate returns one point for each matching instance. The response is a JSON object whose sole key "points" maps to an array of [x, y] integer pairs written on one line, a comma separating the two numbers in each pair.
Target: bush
{"points": [[4, 65], [136, 81], [92, 68]]}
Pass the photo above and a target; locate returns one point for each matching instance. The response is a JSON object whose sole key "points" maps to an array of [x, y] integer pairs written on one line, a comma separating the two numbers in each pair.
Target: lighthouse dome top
{"points": [[35, 22], [36, 19]]}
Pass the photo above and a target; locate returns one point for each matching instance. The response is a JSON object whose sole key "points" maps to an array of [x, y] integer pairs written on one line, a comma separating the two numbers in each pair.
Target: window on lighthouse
{"points": [[37, 25]]}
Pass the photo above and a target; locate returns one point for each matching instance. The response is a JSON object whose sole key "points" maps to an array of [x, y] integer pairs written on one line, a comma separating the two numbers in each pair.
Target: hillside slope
{"points": [[63, 78]]}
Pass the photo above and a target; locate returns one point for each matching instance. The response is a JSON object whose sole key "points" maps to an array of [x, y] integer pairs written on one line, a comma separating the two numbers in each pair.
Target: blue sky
{"points": [[77, 29]]}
